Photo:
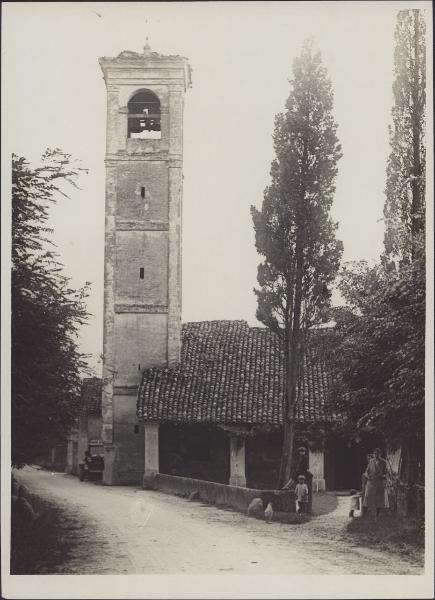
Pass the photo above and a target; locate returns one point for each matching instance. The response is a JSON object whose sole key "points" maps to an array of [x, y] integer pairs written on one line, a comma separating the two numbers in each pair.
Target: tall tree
{"points": [[381, 338], [46, 363], [293, 230], [404, 209]]}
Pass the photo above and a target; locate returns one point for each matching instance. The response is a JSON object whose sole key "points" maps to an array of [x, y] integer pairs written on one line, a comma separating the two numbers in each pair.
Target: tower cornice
{"points": [[130, 62]]}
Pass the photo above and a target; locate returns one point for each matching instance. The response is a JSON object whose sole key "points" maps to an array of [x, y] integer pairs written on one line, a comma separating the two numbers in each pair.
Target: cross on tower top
{"points": [[147, 48]]}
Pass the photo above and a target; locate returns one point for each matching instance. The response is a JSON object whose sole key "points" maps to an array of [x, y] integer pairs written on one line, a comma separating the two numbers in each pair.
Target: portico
{"points": [[227, 390]]}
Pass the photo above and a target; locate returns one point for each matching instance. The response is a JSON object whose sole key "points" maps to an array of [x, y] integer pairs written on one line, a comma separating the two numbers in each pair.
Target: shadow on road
{"points": [[43, 546]]}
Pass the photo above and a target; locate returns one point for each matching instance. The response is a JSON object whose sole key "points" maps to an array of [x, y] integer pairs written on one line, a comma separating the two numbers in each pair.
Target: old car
{"points": [[92, 466]]}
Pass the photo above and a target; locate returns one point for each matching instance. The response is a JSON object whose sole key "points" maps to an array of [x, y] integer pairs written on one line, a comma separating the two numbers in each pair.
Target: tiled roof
{"points": [[90, 403], [231, 373]]}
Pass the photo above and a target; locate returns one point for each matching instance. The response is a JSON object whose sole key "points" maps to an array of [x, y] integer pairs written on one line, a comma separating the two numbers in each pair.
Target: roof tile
{"points": [[231, 373]]}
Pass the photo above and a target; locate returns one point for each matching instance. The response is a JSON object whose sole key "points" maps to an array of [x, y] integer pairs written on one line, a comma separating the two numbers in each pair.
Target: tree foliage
{"points": [[404, 209], [46, 313], [380, 350], [380, 337], [293, 230]]}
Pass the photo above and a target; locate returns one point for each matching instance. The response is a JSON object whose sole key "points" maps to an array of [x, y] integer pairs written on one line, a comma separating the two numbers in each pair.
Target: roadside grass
{"points": [[390, 532], [323, 504], [41, 546]]}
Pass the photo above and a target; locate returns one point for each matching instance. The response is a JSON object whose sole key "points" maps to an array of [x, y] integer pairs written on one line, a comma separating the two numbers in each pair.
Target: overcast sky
{"points": [[241, 55]]}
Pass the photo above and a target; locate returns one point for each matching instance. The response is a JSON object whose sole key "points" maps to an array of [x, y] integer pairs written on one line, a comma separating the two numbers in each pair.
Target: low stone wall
{"points": [[235, 497]]}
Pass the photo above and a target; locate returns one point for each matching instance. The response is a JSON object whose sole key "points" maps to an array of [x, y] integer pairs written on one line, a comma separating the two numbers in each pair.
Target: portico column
{"points": [[109, 464], [317, 468], [151, 449], [69, 456], [237, 461]]}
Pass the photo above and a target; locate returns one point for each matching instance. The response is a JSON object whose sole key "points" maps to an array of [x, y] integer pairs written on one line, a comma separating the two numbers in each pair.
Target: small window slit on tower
{"points": [[141, 272], [142, 192]]}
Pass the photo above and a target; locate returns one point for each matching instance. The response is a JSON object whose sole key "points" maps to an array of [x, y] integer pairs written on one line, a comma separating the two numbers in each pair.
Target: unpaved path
{"points": [[124, 530]]}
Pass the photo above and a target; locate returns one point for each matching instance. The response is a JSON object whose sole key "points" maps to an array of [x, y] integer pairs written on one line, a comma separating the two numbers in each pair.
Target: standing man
{"points": [[84, 471], [364, 479], [376, 481]]}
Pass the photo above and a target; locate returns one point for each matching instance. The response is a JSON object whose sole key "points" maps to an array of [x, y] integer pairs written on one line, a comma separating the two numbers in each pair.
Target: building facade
{"points": [[87, 428], [142, 264], [218, 413], [204, 399]]}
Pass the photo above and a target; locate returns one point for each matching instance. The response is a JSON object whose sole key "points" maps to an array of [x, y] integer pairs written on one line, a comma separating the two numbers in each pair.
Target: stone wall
{"points": [[150, 205], [140, 343], [235, 497], [129, 441], [94, 427], [141, 272]]}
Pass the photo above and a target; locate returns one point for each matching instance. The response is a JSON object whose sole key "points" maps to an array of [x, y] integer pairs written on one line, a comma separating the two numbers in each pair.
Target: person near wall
{"points": [[87, 461], [300, 468], [364, 479], [301, 495], [354, 502], [375, 497]]}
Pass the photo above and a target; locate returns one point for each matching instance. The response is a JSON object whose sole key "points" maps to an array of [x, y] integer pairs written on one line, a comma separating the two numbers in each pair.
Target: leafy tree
{"points": [[293, 230], [404, 209], [380, 354], [46, 313]]}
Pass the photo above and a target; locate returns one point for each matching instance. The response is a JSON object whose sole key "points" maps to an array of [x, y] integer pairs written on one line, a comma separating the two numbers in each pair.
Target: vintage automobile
{"points": [[92, 466]]}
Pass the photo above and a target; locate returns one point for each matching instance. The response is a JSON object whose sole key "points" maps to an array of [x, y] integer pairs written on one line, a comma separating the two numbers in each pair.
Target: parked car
{"points": [[92, 466]]}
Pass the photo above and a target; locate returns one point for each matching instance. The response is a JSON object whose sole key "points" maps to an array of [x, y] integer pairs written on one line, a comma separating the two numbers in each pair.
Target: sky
{"points": [[241, 54]]}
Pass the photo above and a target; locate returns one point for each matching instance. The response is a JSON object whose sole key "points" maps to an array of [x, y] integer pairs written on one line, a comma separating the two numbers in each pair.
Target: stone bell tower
{"points": [[142, 264]]}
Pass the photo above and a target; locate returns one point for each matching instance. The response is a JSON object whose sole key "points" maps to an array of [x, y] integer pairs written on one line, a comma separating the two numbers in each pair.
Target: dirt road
{"points": [[123, 530]]}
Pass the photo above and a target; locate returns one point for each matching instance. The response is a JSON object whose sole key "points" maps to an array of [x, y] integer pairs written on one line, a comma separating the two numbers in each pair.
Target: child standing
{"points": [[301, 495], [355, 502]]}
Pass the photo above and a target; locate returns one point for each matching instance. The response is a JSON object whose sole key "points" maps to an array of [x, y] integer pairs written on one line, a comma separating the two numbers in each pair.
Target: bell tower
{"points": [[142, 263]]}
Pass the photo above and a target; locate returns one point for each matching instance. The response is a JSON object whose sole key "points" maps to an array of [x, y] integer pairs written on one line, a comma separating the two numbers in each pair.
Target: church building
{"points": [[203, 399]]}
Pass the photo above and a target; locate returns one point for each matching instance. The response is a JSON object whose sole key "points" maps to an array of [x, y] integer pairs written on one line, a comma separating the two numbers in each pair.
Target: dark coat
{"points": [[376, 474], [301, 468]]}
